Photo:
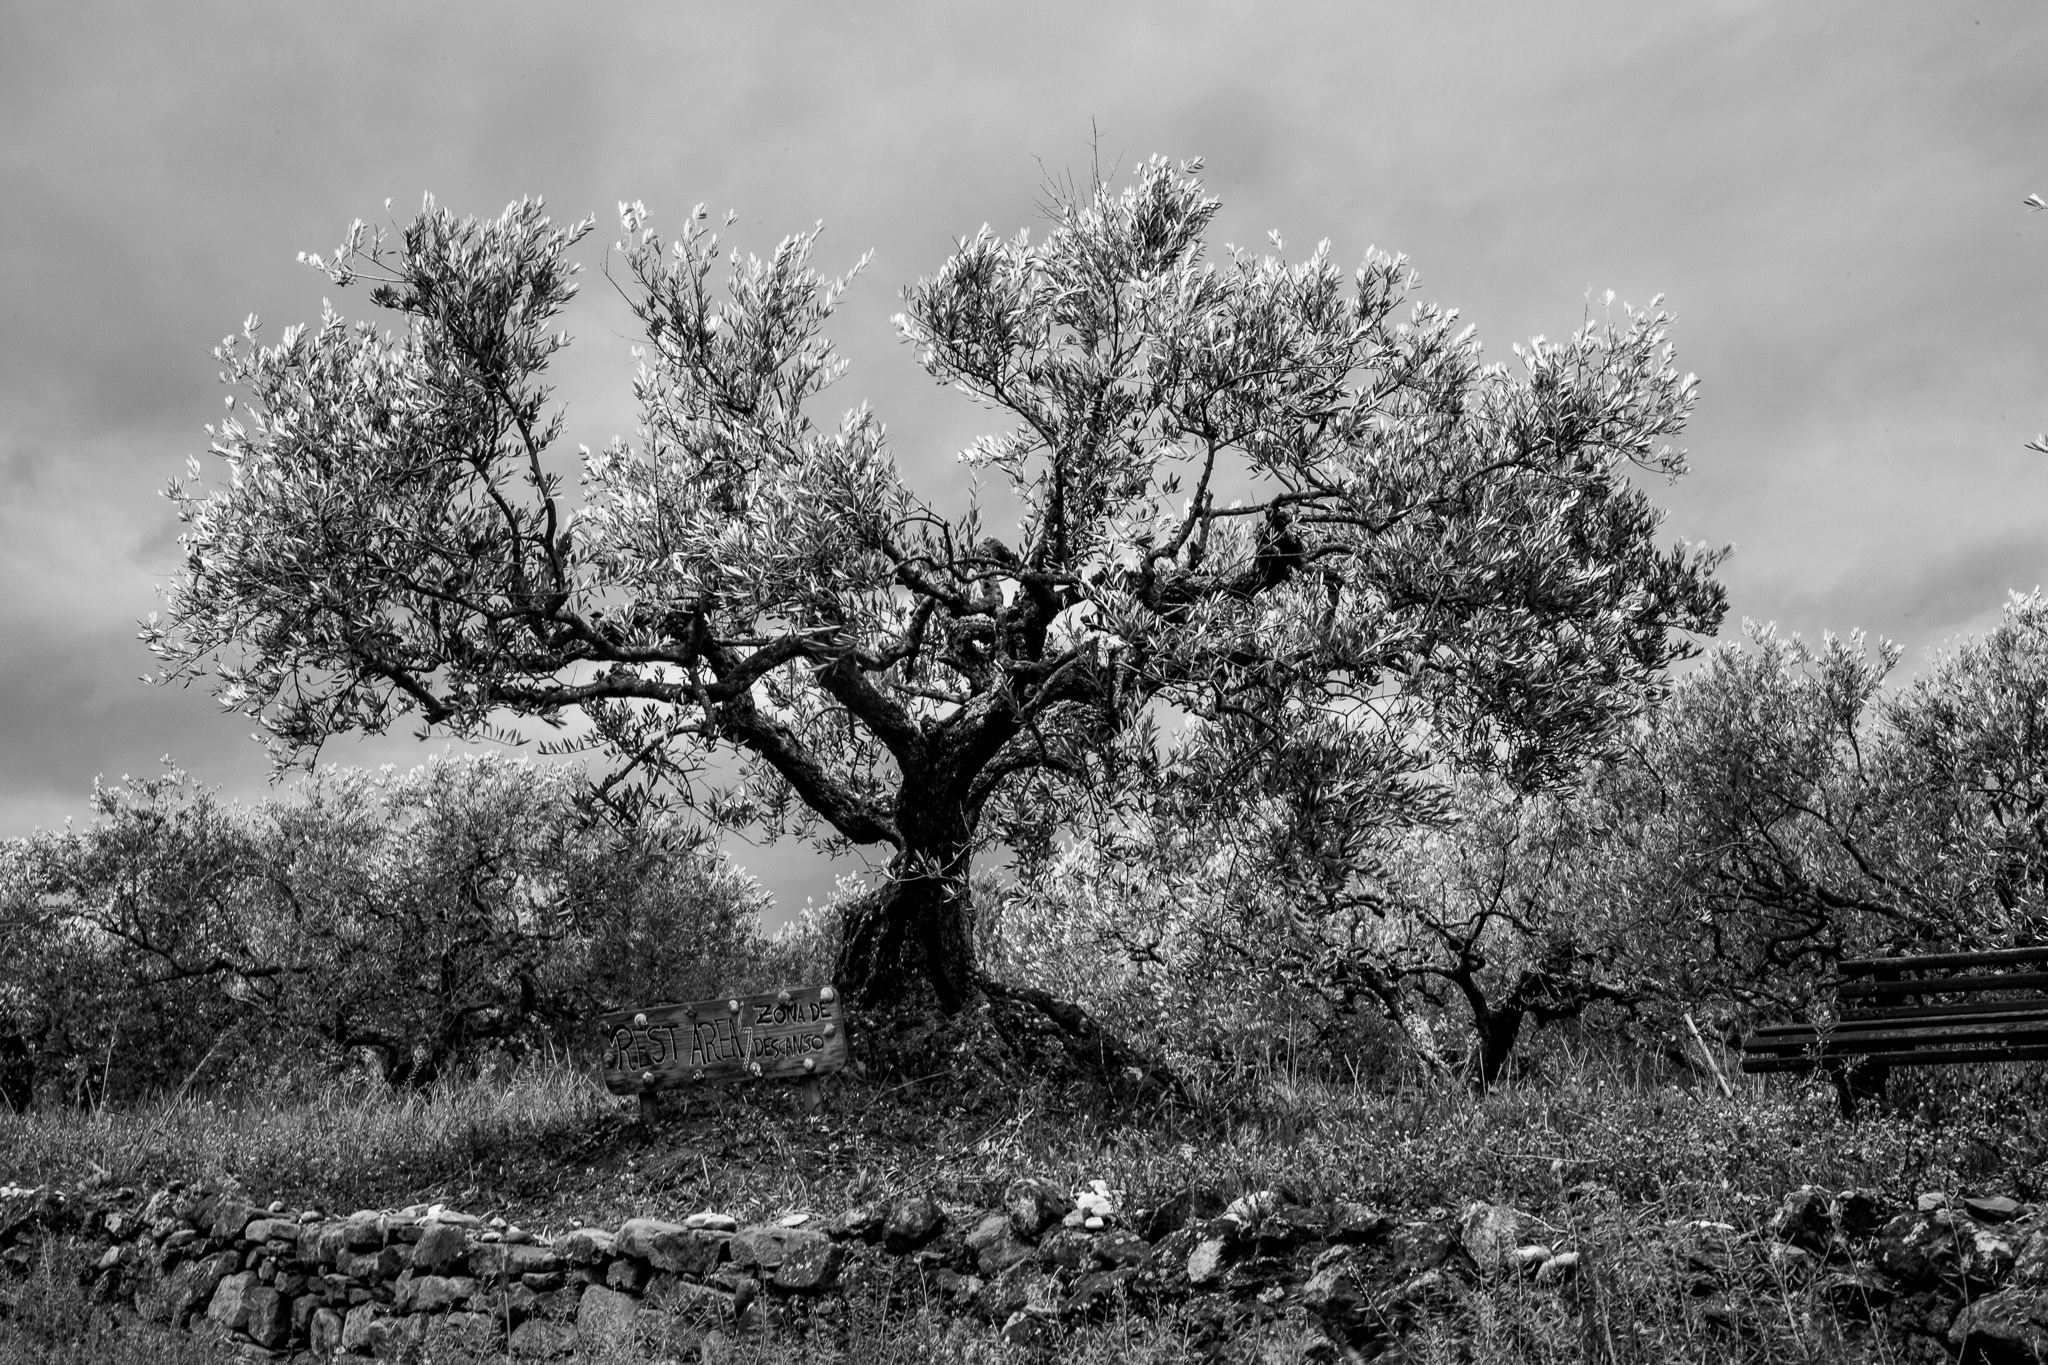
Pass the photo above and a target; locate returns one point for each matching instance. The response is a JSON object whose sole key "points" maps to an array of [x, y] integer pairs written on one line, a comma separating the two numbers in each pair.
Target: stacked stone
{"points": [[1970, 1273], [376, 1282]]}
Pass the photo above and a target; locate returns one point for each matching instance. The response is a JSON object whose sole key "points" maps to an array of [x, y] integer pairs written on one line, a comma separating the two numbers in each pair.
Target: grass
{"points": [[1613, 1155]]}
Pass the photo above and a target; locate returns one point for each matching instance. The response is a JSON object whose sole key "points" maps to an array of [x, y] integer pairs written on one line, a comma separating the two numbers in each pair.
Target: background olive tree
{"points": [[424, 919], [1255, 492]]}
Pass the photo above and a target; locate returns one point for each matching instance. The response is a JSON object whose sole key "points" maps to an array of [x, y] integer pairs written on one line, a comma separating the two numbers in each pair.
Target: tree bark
{"points": [[912, 937]]}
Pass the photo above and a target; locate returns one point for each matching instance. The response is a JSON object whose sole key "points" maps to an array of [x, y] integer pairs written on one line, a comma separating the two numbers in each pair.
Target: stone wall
{"points": [[1953, 1273]]}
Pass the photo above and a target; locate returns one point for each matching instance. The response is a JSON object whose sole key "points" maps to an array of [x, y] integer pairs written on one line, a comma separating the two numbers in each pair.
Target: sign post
{"points": [[797, 1034]]}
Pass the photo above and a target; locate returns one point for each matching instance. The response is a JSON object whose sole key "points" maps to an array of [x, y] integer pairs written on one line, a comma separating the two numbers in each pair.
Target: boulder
{"points": [[231, 1216], [1995, 1208], [324, 1331], [510, 1260], [1033, 1206], [605, 1315], [268, 1316], [671, 1246], [2012, 1325], [443, 1249], [229, 1308], [1803, 1219], [627, 1274], [809, 1264], [1355, 1224], [432, 1293], [1858, 1213], [540, 1339], [997, 1245], [584, 1246], [365, 1229], [358, 1329], [272, 1229], [913, 1221], [864, 1221], [1206, 1262]]}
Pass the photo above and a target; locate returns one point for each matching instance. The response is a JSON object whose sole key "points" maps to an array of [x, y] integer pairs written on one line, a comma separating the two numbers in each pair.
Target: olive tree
{"points": [[1245, 485]]}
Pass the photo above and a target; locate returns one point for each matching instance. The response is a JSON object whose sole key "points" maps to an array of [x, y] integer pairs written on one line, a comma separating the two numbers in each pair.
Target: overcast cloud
{"points": [[1828, 195]]}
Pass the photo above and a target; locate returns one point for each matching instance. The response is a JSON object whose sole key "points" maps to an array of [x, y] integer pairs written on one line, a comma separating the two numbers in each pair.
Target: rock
{"points": [[1097, 1294], [1122, 1250], [627, 1275], [676, 1293], [1355, 1224], [229, 1308], [913, 1221], [272, 1229], [2030, 1266], [432, 1293], [1070, 1249], [231, 1215], [864, 1221], [1488, 1232], [539, 1339], [1432, 1290], [1559, 1269], [809, 1263], [324, 1242], [1027, 1331], [1022, 1287], [1932, 1200], [716, 1222], [443, 1249], [2012, 1325], [1927, 1248], [324, 1331], [303, 1310], [1033, 1206], [584, 1246], [1855, 1292], [510, 1260], [1803, 1220], [358, 1336], [996, 1245], [1205, 1262], [1857, 1213], [365, 1229], [190, 1288], [268, 1317], [605, 1315], [1336, 1292], [1994, 1208], [1291, 1225], [671, 1246]]}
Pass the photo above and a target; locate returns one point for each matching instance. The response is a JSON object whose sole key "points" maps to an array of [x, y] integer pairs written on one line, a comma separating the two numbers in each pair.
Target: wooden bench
{"points": [[1937, 1010]]}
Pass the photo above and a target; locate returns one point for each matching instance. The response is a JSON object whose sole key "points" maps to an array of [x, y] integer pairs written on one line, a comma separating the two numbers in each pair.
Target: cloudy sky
{"points": [[1828, 195]]}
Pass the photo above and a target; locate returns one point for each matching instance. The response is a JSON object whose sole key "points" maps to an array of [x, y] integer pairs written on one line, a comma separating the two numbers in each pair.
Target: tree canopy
{"points": [[1264, 497]]}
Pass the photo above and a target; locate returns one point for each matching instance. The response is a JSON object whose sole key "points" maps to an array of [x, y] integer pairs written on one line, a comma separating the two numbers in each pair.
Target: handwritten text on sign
{"points": [[793, 1033]]}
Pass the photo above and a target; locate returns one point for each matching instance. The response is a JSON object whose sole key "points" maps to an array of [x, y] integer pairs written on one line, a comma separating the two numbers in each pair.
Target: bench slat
{"points": [[1935, 1057], [1851, 1044], [2031, 1013], [1983, 981], [1880, 1013], [1867, 966]]}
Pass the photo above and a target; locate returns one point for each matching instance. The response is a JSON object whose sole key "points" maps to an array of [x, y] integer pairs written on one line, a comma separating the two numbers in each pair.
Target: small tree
{"points": [[1245, 486]]}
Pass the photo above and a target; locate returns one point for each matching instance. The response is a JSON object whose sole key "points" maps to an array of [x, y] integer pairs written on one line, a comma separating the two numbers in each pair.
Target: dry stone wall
{"points": [[1963, 1276]]}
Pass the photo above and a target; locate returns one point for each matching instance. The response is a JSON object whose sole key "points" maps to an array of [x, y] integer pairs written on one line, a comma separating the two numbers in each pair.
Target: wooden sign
{"points": [[789, 1035]]}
